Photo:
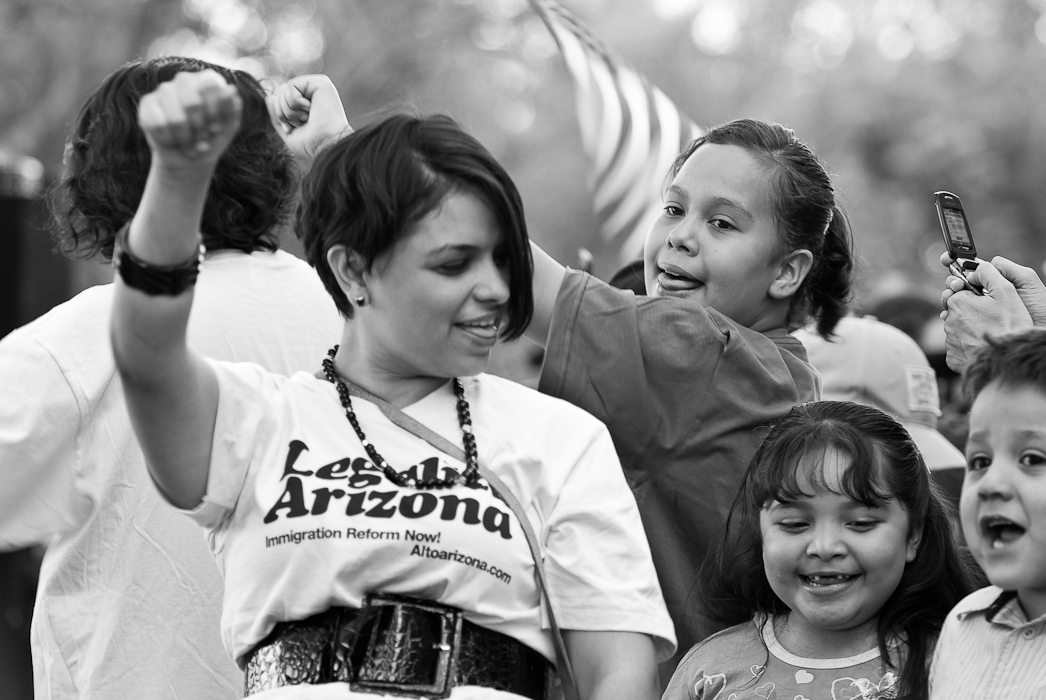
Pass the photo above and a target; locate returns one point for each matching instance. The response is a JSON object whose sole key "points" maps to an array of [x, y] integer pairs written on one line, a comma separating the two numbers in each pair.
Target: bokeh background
{"points": [[899, 97]]}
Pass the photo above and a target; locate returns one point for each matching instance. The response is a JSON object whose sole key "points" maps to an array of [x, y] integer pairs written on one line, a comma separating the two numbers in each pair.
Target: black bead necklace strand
{"points": [[471, 473]]}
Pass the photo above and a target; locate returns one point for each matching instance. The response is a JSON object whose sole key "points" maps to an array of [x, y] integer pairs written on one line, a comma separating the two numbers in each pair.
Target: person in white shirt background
{"points": [[129, 598]]}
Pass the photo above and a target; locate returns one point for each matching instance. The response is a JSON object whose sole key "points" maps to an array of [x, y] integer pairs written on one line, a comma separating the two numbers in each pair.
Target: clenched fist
{"points": [[189, 121]]}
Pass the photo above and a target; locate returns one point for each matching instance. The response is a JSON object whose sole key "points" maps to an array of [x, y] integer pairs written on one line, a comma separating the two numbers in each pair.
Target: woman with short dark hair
{"points": [[380, 523]]}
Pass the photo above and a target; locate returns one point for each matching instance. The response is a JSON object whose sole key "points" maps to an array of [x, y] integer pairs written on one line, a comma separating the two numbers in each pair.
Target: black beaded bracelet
{"points": [[154, 280]]}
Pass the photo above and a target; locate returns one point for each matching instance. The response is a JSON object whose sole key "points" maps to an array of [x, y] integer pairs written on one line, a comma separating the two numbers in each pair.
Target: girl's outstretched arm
{"points": [[548, 276], [171, 393]]}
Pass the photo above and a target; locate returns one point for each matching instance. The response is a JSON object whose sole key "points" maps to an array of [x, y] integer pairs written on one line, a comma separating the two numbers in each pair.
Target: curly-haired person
{"points": [[129, 597]]}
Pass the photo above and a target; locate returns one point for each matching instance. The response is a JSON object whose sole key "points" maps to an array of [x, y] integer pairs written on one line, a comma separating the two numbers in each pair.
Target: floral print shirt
{"points": [[747, 662]]}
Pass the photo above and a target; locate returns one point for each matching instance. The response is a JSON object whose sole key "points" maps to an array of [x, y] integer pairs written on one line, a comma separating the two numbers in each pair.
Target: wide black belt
{"points": [[396, 646]]}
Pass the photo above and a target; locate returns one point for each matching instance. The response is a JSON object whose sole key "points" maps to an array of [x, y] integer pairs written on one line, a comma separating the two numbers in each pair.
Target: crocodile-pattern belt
{"points": [[397, 646]]}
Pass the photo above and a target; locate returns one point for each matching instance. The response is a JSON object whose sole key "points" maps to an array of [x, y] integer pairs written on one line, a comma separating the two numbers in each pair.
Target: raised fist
{"points": [[189, 121], [308, 113]]}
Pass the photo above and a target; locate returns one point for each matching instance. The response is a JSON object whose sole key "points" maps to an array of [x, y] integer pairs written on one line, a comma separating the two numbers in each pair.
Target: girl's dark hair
{"points": [[370, 189], [884, 464], [1015, 361], [804, 205], [107, 161]]}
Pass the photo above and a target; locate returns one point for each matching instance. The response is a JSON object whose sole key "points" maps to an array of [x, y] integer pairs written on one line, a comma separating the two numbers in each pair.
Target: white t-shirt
{"points": [[300, 520], [129, 597]]}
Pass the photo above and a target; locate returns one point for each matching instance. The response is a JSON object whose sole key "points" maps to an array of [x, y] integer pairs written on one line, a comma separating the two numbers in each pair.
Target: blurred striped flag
{"points": [[630, 130]]}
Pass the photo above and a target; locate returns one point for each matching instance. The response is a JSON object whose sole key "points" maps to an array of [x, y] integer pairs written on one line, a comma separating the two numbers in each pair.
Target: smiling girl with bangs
{"points": [[837, 566]]}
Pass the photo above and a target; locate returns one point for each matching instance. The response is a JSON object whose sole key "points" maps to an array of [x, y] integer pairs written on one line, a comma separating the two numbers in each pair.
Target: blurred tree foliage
{"points": [[899, 97]]}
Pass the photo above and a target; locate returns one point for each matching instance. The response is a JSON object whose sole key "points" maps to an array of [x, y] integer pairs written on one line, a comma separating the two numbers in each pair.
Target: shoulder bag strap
{"points": [[500, 490]]}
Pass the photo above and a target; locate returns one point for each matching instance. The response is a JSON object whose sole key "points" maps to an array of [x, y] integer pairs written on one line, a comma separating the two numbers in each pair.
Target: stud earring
{"points": [[361, 300]]}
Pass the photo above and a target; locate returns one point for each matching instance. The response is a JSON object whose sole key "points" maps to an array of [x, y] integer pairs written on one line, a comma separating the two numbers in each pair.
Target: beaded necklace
{"points": [[468, 477]]}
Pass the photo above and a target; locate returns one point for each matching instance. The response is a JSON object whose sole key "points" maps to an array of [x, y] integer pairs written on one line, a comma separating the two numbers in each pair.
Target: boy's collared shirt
{"points": [[989, 649]]}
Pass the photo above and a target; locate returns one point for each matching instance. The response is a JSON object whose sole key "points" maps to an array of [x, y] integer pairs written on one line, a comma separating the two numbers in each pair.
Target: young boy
{"points": [[993, 644]]}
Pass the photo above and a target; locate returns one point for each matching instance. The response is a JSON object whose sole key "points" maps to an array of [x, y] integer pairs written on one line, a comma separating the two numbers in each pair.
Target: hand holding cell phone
{"points": [[957, 237]]}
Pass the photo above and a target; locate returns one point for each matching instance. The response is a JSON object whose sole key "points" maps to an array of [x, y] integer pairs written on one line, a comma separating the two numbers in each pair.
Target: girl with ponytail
{"points": [[750, 245]]}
